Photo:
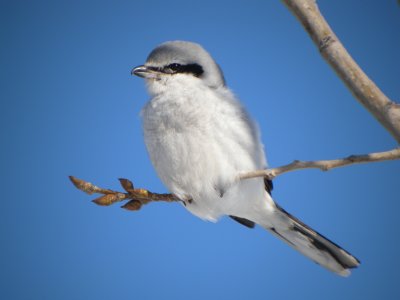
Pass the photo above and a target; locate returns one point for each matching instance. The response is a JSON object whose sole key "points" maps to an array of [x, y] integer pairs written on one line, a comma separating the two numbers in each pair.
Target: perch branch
{"points": [[138, 197], [363, 88], [324, 165]]}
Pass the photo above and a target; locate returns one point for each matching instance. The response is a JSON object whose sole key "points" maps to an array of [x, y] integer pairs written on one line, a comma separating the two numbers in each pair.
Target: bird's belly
{"points": [[183, 160], [196, 165], [199, 150]]}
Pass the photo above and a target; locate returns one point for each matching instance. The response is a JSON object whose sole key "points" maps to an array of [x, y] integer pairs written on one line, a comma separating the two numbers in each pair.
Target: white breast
{"points": [[199, 139]]}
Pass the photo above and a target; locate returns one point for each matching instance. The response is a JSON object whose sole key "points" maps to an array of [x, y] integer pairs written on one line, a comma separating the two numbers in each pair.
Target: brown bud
{"points": [[106, 199], [87, 187], [126, 184], [132, 205]]}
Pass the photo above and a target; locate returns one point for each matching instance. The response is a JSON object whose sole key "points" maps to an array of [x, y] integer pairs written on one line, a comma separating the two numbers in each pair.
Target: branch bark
{"points": [[324, 165], [362, 87]]}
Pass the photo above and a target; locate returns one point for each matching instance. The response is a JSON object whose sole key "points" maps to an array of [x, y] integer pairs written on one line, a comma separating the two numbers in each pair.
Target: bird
{"points": [[199, 138]]}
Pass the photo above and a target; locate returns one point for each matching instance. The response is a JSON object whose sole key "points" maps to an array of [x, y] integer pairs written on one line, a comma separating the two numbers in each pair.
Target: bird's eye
{"points": [[174, 67]]}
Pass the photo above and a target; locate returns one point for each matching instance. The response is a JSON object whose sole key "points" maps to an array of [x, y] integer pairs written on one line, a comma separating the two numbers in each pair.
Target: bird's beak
{"points": [[145, 71]]}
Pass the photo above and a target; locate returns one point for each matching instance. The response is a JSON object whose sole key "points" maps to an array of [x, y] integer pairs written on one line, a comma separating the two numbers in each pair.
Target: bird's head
{"points": [[182, 59]]}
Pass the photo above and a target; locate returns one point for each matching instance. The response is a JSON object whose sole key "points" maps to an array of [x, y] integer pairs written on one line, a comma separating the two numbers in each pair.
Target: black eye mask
{"points": [[175, 68]]}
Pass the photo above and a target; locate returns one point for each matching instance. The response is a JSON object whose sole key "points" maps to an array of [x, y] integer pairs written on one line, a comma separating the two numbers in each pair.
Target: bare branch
{"points": [[363, 88], [138, 197], [324, 165]]}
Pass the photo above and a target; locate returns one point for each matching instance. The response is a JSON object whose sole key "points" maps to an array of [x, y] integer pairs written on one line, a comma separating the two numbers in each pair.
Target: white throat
{"points": [[169, 83]]}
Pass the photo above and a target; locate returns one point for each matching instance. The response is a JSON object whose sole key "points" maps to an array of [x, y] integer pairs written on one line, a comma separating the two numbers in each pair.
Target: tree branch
{"points": [[138, 197], [324, 165], [363, 88]]}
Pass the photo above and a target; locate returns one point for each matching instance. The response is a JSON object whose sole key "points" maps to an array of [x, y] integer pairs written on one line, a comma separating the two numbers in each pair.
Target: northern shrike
{"points": [[200, 139]]}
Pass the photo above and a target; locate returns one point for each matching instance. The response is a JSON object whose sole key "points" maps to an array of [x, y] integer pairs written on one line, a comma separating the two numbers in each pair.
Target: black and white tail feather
{"points": [[307, 241], [313, 245]]}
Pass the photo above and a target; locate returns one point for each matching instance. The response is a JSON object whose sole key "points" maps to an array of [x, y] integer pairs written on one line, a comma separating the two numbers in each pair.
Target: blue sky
{"points": [[70, 107]]}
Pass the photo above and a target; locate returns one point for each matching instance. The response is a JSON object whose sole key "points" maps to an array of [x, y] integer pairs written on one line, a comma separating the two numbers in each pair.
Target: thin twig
{"points": [[324, 165], [137, 197]]}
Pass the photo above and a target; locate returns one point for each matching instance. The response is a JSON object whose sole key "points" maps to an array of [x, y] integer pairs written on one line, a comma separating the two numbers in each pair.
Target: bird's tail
{"points": [[312, 244]]}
